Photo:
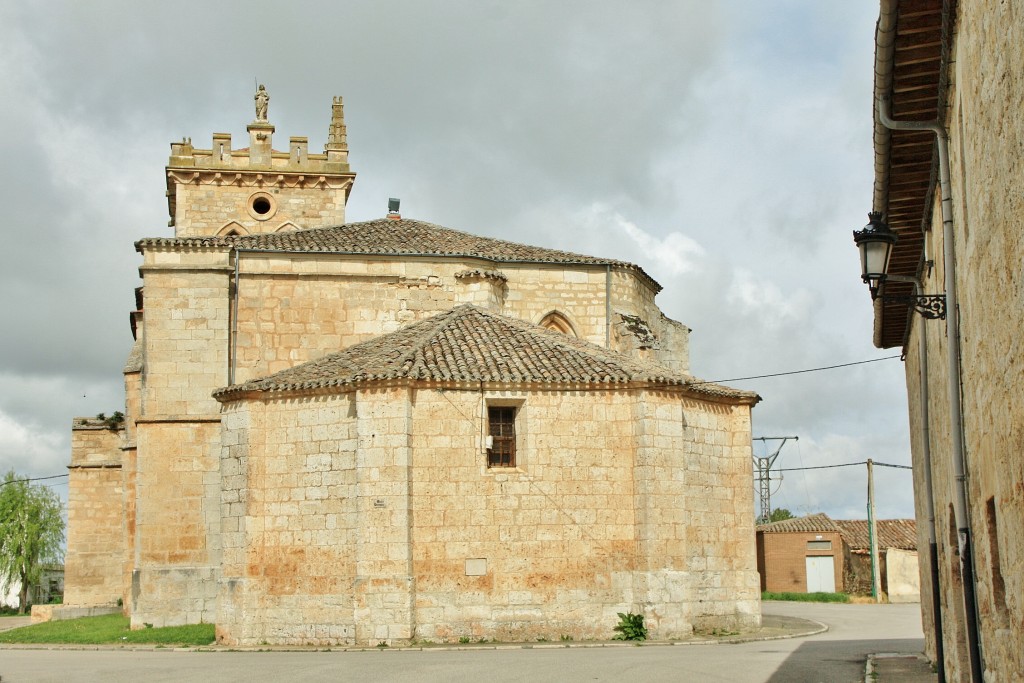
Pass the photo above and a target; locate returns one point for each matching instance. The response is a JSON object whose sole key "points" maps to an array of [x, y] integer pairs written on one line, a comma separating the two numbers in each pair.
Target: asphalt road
{"points": [[835, 656]]}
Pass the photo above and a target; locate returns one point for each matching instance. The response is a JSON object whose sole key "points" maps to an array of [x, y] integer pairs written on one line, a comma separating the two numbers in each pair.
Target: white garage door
{"points": [[821, 575]]}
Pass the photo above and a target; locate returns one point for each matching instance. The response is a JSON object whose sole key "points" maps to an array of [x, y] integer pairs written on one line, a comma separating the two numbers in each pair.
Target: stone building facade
{"points": [[390, 430], [954, 198]]}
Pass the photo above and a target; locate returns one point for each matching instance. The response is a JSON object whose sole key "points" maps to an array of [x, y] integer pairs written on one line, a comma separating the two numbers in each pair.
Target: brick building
{"points": [[816, 553], [390, 430], [800, 555]]}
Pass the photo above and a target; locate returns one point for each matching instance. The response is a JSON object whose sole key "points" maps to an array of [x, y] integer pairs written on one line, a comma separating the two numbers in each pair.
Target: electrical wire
{"points": [[845, 464], [15, 481], [795, 372]]}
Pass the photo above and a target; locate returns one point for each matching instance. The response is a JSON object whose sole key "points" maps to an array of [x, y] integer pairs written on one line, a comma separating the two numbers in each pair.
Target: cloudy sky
{"points": [[724, 146]]}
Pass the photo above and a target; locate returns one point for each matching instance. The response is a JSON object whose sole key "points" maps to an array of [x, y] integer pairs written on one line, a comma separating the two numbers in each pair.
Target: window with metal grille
{"points": [[502, 430], [819, 545]]}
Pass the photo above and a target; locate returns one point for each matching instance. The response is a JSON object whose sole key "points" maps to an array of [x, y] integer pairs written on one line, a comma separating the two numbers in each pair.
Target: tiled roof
{"points": [[892, 533], [811, 524], [467, 344], [394, 237]]}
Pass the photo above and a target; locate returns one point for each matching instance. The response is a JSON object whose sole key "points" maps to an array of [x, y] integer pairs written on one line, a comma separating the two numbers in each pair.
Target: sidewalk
{"points": [[898, 667], [7, 623]]}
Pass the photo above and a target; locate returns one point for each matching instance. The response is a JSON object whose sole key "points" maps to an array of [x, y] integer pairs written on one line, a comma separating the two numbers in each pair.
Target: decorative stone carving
{"points": [[495, 275], [635, 332]]}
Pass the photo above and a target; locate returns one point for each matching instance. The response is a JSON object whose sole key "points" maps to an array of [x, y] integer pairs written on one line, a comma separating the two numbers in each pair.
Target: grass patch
{"points": [[106, 630], [806, 597]]}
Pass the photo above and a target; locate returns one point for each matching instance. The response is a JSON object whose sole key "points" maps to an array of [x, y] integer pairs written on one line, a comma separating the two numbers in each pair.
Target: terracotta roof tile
{"points": [[467, 344], [398, 237], [892, 533], [811, 524]]}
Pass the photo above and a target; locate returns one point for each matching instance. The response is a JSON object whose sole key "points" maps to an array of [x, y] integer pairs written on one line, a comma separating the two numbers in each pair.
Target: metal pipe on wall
{"points": [[929, 496]]}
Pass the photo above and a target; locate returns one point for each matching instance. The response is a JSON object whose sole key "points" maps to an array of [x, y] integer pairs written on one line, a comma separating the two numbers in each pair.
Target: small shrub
{"points": [[631, 627], [463, 639], [382, 643], [565, 637]]}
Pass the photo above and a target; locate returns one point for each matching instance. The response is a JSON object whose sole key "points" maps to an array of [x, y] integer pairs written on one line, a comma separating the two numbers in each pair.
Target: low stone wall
{"points": [[41, 613], [903, 577]]}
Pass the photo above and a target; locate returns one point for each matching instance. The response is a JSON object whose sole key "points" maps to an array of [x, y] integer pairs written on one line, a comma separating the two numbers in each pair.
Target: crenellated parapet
{"points": [[257, 189]]}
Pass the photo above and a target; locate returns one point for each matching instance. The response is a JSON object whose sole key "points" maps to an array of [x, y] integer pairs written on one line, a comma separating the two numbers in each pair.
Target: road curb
{"points": [[872, 675], [817, 627]]}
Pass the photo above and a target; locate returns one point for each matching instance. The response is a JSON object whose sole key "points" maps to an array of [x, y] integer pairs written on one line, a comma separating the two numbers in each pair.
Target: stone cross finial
{"points": [[262, 101]]}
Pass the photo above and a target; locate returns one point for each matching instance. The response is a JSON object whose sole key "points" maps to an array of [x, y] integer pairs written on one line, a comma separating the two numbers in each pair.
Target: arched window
{"points": [[231, 229], [559, 323]]}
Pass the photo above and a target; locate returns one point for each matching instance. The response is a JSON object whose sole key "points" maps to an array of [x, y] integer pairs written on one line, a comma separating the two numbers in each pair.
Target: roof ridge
{"points": [[786, 524], [467, 343], [384, 236], [442, 320]]}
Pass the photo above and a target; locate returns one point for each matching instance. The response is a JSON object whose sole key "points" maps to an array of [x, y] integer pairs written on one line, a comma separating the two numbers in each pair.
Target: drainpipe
{"points": [[233, 348], [608, 305], [929, 497]]}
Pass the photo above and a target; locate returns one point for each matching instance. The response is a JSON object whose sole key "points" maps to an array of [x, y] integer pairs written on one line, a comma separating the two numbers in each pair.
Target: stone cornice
{"points": [[178, 419], [230, 395], [262, 178], [198, 268]]}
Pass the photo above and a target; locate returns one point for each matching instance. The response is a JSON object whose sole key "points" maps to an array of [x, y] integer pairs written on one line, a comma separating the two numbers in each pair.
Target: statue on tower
{"points": [[262, 100]]}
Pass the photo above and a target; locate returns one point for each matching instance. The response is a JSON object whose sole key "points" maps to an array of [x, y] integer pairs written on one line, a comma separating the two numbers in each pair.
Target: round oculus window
{"points": [[262, 206]]}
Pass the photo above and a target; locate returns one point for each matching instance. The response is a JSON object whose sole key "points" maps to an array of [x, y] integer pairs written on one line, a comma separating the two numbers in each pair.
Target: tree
{"points": [[779, 514], [31, 533]]}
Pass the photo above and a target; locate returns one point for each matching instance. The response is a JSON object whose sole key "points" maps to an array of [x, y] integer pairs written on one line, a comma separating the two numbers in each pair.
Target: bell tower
{"points": [[225, 191]]}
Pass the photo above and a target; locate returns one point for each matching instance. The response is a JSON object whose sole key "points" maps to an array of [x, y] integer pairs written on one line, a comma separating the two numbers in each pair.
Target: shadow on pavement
{"points": [[836, 660]]}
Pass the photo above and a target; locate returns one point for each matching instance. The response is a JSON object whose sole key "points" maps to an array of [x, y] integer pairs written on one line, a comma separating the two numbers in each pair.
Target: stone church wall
{"points": [[178, 522], [202, 210], [290, 310], [371, 516], [694, 503], [296, 308], [93, 564], [289, 521], [536, 551], [177, 512]]}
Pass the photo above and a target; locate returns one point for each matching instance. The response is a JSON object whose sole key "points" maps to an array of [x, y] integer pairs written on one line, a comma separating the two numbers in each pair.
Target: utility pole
{"points": [[762, 471], [876, 580]]}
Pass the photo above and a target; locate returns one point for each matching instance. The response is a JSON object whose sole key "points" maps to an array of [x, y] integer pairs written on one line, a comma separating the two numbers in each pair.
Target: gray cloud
{"points": [[723, 146]]}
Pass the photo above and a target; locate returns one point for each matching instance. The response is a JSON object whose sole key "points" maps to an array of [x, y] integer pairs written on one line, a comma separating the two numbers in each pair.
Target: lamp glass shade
{"points": [[875, 243], [874, 258]]}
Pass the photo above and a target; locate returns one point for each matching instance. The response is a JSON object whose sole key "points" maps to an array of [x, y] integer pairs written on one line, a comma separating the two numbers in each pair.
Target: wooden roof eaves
{"points": [[914, 83]]}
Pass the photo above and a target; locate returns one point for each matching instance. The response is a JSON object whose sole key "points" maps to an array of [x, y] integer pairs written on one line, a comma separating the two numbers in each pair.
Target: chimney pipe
{"points": [[393, 204]]}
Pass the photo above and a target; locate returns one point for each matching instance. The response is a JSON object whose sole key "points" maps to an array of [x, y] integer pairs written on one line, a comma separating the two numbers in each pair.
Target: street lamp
{"points": [[875, 243]]}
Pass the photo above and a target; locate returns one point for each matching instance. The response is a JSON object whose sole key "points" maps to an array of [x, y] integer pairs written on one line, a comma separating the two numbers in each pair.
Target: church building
{"points": [[386, 431]]}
